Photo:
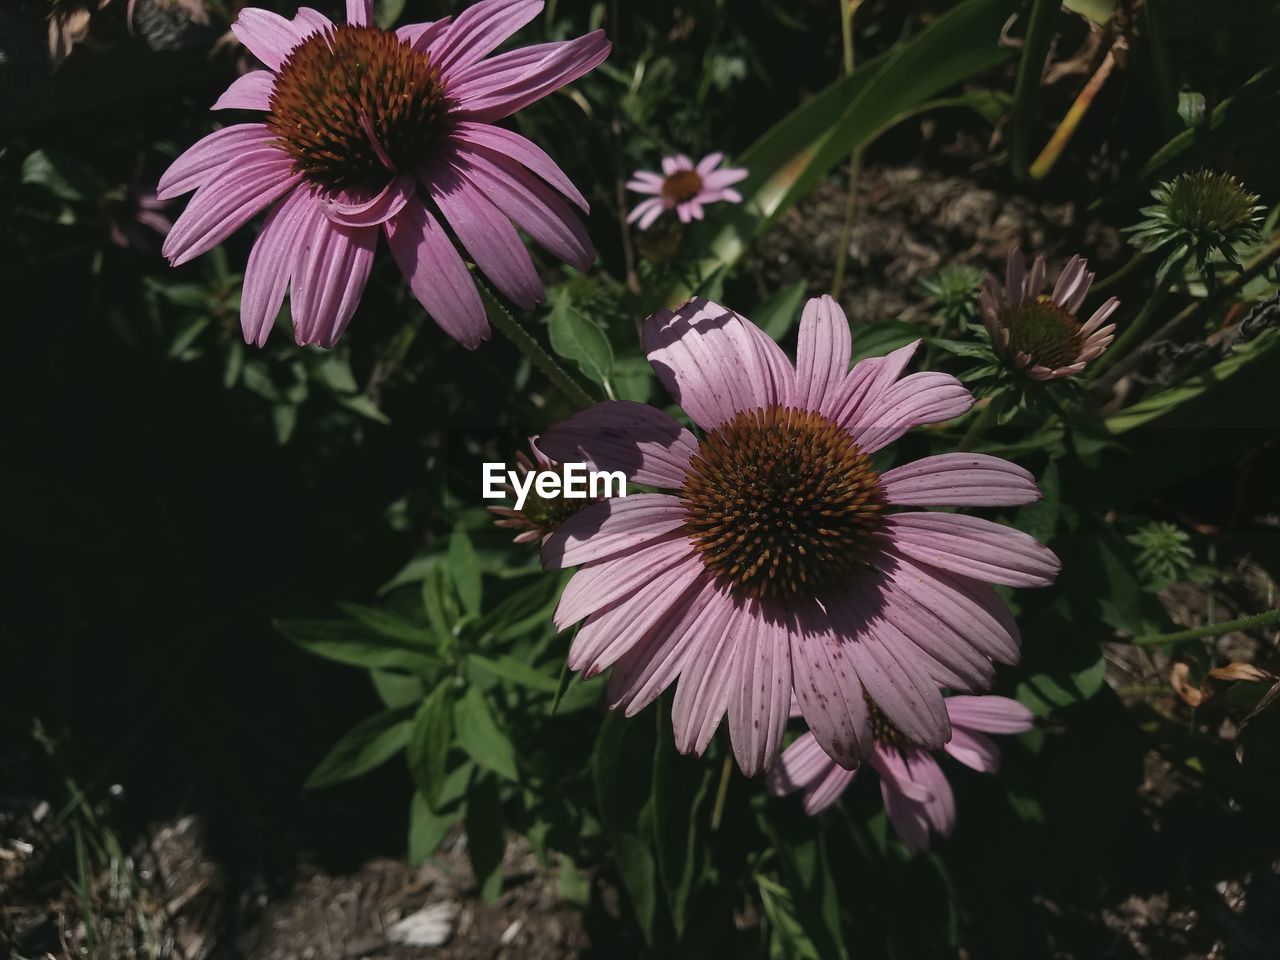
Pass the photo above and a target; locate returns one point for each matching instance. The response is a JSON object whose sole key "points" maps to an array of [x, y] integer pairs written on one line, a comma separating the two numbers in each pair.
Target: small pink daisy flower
{"points": [[1041, 336], [916, 793], [370, 131], [540, 515], [684, 187], [783, 556]]}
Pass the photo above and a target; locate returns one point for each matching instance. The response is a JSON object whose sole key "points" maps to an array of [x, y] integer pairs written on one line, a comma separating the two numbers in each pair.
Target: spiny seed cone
{"points": [[781, 503], [353, 104], [1046, 332]]}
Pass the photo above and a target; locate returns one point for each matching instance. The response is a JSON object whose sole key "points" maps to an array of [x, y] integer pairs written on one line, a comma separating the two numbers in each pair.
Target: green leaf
{"points": [[777, 315], [580, 694], [528, 608], [357, 645], [636, 866], [369, 744], [1040, 519], [429, 743], [486, 841], [67, 178], [1041, 693], [510, 669], [397, 689], [574, 886], [680, 785], [877, 339], [389, 624], [464, 568], [632, 378], [787, 937], [576, 338], [364, 406], [963, 348], [427, 828], [480, 736]]}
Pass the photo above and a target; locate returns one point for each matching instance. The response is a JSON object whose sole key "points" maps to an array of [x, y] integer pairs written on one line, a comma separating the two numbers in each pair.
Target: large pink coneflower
{"points": [[369, 131], [916, 793], [1041, 336], [684, 188], [784, 555]]}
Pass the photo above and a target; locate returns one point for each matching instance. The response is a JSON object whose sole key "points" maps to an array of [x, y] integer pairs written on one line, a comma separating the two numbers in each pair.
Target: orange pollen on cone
{"points": [[681, 186]]}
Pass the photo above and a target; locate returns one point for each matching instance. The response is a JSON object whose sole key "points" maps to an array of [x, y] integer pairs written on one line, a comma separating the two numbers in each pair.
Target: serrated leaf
{"points": [[369, 744], [480, 736]]}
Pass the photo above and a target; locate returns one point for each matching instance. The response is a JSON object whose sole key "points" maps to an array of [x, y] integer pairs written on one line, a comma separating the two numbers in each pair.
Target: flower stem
{"points": [[1211, 630], [1138, 326], [722, 791], [847, 9], [984, 420], [1026, 90], [501, 318]]}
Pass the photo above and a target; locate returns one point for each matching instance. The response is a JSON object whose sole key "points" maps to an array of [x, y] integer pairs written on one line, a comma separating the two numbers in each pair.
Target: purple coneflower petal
{"points": [[647, 445], [719, 179], [479, 30], [421, 36], [761, 692], [646, 211], [708, 163], [1015, 276], [369, 208], [523, 151], [990, 714], [330, 269], [1072, 281], [974, 750], [267, 273], [227, 202], [206, 158], [702, 693], [487, 235], [822, 352], [803, 766], [940, 808], [489, 92], [913, 401], [899, 621], [900, 686], [270, 37], [613, 526], [252, 91], [437, 276], [596, 587], [829, 692], [959, 480], [892, 766], [973, 547], [864, 386], [359, 12], [639, 185]]}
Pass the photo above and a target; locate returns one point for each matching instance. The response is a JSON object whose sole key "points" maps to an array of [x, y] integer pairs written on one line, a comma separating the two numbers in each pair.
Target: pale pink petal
{"points": [[804, 766], [990, 714], [684, 211], [228, 202], [908, 818], [330, 268], [489, 92], [647, 445], [911, 402], [828, 691], [822, 352], [650, 215], [266, 275], [865, 385], [706, 678], [524, 151], [1074, 276], [645, 186], [421, 36], [975, 750], [369, 207], [898, 683], [959, 480], [437, 276], [270, 37], [940, 808], [479, 30], [719, 179], [973, 547], [892, 766], [251, 91], [708, 163], [599, 585], [761, 691], [1015, 276], [487, 235], [207, 156], [644, 207], [670, 165], [359, 12], [613, 526]]}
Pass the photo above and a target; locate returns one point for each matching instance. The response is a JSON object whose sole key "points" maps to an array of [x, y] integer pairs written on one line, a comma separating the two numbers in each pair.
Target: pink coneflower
{"points": [[781, 557], [916, 793], [1041, 336], [370, 131], [540, 515], [683, 187], [135, 218]]}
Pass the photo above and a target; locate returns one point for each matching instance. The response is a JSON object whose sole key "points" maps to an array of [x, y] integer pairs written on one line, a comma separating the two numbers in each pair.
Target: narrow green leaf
{"points": [[66, 177], [427, 828], [369, 744], [355, 644], [480, 736], [877, 339], [576, 338], [430, 741], [464, 568], [389, 624], [486, 841], [510, 669], [781, 312]]}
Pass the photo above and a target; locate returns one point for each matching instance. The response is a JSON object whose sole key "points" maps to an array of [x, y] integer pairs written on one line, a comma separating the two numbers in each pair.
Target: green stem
{"points": [[1111, 279], [847, 9], [501, 318], [722, 791], [1137, 328], [1211, 630], [1035, 49], [983, 420]]}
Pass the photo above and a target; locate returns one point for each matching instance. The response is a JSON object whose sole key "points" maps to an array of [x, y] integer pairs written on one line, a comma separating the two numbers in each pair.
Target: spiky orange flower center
{"points": [[681, 186], [353, 104], [1044, 331], [781, 503]]}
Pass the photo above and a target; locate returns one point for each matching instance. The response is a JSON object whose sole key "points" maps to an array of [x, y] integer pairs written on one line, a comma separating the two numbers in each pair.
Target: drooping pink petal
{"points": [[990, 714], [359, 12], [368, 207], [599, 585], [706, 680], [266, 275], [655, 661], [200, 162], [330, 268], [973, 547], [1015, 276], [488, 91], [828, 690], [940, 808], [527, 200], [611, 527], [523, 151], [761, 691], [647, 445], [901, 687], [908, 818], [708, 163], [646, 211], [607, 635], [226, 203], [487, 235], [436, 274], [822, 352], [251, 91], [959, 480], [975, 750], [479, 30], [893, 769], [804, 766]]}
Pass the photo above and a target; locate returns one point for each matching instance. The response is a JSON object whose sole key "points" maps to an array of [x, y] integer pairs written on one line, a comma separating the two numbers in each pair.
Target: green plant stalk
{"points": [[1111, 279], [1075, 114], [1133, 333], [983, 421], [1211, 630], [847, 10], [501, 318], [1035, 50], [722, 791], [1158, 46]]}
